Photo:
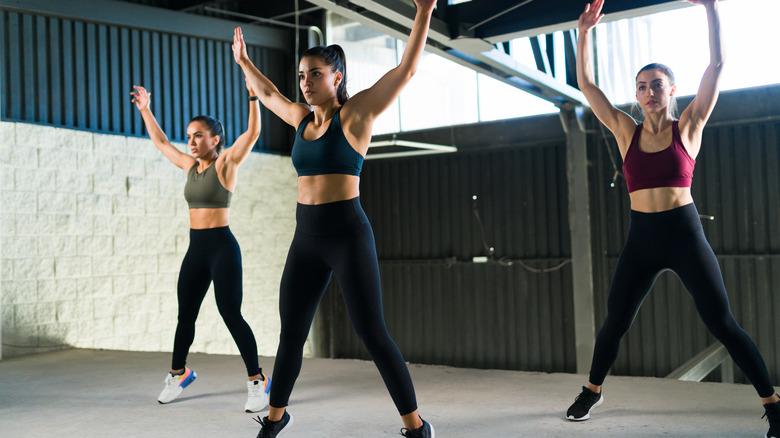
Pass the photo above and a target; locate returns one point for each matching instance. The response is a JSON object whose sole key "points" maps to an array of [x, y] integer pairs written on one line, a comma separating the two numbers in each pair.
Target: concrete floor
{"points": [[89, 393]]}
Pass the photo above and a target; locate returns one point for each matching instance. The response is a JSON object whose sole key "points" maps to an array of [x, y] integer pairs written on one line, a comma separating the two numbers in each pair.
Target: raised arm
{"points": [[620, 123], [142, 99], [369, 103], [697, 113], [292, 113], [236, 154]]}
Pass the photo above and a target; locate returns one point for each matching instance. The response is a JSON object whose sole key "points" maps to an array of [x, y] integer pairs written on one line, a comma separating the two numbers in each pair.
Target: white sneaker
{"points": [[175, 384], [257, 397]]}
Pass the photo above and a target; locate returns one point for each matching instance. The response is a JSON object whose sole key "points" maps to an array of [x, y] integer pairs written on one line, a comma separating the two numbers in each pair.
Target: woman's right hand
{"points": [[141, 97], [591, 16]]}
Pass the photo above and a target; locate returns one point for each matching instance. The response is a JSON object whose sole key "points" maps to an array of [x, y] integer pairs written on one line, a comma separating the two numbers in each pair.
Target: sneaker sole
{"points": [[172, 399], [189, 380], [586, 416], [286, 427]]}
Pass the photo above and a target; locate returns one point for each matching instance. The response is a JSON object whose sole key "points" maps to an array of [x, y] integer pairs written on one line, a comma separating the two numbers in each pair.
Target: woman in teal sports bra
{"points": [[332, 235], [213, 254]]}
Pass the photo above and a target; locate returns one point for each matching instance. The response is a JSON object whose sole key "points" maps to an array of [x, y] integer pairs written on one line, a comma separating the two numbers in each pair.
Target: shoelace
{"points": [[172, 382], [406, 432], [262, 422], [582, 398], [770, 425]]}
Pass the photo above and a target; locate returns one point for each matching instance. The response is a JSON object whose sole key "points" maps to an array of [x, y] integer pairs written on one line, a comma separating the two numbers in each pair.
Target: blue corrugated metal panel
{"points": [[78, 74]]}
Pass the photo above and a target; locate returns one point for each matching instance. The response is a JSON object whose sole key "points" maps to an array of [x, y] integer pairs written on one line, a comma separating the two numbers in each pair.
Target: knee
{"points": [[187, 317], [615, 327], [231, 314], [292, 337], [373, 335], [723, 328]]}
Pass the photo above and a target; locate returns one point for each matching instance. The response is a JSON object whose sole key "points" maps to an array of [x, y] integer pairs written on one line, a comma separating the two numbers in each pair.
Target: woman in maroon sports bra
{"points": [[665, 230]]}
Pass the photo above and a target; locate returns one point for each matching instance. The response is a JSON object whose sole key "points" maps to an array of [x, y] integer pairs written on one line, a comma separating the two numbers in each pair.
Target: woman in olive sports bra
{"points": [[332, 234], [665, 230], [213, 254]]}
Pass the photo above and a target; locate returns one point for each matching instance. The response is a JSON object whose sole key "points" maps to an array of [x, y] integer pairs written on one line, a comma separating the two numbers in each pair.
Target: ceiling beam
{"points": [[530, 26]]}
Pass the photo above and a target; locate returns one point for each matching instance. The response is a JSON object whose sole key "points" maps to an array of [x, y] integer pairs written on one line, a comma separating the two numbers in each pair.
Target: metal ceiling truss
{"points": [[395, 18], [480, 42]]}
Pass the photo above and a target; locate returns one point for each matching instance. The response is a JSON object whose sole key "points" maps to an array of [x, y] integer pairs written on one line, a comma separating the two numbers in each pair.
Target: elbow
{"points": [[587, 88], [254, 134], [410, 72], [406, 73]]}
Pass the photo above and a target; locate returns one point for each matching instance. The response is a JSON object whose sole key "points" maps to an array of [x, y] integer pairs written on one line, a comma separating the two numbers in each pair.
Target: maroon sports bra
{"points": [[670, 167]]}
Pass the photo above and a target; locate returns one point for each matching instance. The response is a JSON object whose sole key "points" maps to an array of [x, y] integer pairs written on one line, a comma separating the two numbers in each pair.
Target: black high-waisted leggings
{"points": [[335, 238], [213, 254], [673, 239]]}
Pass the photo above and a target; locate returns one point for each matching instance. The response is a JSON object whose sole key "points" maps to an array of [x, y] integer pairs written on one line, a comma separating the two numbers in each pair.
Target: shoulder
{"points": [[627, 133], [351, 111], [687, 127], [305, 113]]}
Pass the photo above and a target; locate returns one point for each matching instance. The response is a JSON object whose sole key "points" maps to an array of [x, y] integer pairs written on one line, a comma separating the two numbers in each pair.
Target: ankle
{"points": [[596, 389], [772, 399], [276, 414]]}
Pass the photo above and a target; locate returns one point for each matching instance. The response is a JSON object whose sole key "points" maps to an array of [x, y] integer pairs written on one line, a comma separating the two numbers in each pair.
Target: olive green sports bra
{"points": [[203, 190]]}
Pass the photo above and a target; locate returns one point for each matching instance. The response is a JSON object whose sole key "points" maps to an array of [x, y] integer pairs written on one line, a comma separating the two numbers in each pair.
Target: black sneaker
{"points": [[273, 429], [772, 415], [424, 431], [583, 404]]}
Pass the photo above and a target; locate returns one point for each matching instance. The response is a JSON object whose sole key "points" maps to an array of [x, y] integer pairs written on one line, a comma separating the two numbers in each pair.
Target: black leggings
{"points": [[335, 237], [673, 239], [213, 255]]}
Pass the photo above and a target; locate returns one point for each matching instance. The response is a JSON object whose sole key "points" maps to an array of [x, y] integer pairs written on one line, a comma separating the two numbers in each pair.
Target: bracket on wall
{"points": [[701, 365], [405, 148]]}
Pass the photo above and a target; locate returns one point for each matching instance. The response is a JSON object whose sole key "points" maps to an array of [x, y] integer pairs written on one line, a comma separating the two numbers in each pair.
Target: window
{"points": [[679, 39], [445, 93]]}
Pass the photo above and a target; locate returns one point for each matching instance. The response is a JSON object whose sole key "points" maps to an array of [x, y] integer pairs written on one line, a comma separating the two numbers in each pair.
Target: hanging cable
{"points": [[615, 169], [506, 261], [489, 249]]}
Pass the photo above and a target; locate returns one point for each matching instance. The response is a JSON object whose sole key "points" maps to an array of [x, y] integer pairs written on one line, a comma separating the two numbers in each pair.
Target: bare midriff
{"points": [[660, 199], [204, 218], [323, 189]]}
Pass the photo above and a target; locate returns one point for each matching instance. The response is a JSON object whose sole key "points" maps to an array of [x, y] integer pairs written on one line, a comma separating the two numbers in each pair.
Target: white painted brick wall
{"points": [[93, 230]]}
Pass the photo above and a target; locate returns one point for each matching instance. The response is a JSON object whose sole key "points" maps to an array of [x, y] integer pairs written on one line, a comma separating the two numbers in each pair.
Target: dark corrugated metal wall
{"points": [[440, 307], [78, 74], [474, 315]]}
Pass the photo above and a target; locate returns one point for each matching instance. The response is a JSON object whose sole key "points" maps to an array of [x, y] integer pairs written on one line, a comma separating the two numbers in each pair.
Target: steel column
{"points": [[579, 228]]}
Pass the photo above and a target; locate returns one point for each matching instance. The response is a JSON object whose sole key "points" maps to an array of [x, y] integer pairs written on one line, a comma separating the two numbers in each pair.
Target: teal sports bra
{"points": [[330, 153], [203, 190]]}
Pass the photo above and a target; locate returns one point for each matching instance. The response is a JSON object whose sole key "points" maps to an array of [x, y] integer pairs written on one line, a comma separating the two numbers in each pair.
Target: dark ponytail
{"points": [[215, 129], [333, 56]]}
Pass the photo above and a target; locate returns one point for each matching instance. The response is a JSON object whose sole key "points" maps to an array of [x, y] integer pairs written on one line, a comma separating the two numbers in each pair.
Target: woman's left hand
{"points": [[239, 46], [425, 5]]}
